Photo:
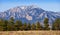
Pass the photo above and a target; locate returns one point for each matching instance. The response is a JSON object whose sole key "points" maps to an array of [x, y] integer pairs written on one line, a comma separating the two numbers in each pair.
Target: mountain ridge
{"points": [[29, 14]]}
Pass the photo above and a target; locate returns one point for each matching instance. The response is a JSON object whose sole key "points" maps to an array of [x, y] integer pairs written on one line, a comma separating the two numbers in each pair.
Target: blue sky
{"points": [[48, 5]]}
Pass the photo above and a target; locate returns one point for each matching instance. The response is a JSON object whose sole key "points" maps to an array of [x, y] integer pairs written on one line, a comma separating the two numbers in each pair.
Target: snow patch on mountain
{"points": [[28, 17]]}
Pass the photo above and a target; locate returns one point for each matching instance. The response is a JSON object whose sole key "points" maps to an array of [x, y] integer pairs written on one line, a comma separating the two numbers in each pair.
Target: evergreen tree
{"points": [[33, 27], [46, 25], [38, 26], [56, 24], [5, 25], [1, 24], [10, 26], [28, 26], [18, 25], [11, 20], [24, 26]]}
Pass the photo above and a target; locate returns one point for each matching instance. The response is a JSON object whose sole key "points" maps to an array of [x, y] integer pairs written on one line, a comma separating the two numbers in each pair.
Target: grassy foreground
{"points": [[29, 32]]}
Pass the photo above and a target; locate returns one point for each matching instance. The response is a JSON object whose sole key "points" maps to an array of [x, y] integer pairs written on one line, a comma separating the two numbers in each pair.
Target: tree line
{"points": [[11, 25]]}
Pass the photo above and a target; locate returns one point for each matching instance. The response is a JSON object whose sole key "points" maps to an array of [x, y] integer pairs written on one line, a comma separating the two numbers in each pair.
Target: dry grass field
{"points": [[29, 32]]}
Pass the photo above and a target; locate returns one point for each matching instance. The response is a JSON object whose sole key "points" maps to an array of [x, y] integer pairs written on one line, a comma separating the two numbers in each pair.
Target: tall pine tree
{"points": [[33, 27], [38, 26], [46, 25], [56, 24]]}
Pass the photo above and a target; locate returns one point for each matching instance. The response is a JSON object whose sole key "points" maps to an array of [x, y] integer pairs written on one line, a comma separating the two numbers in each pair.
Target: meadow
{"points": [[29, 32]]}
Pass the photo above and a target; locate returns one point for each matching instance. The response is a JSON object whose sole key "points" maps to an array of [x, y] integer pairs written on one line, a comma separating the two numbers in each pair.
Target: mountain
{"points": [[29, 14]]}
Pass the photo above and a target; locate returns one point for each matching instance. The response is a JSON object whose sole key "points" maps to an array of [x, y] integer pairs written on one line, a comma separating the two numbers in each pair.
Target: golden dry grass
{"points": [[29, 32]]}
